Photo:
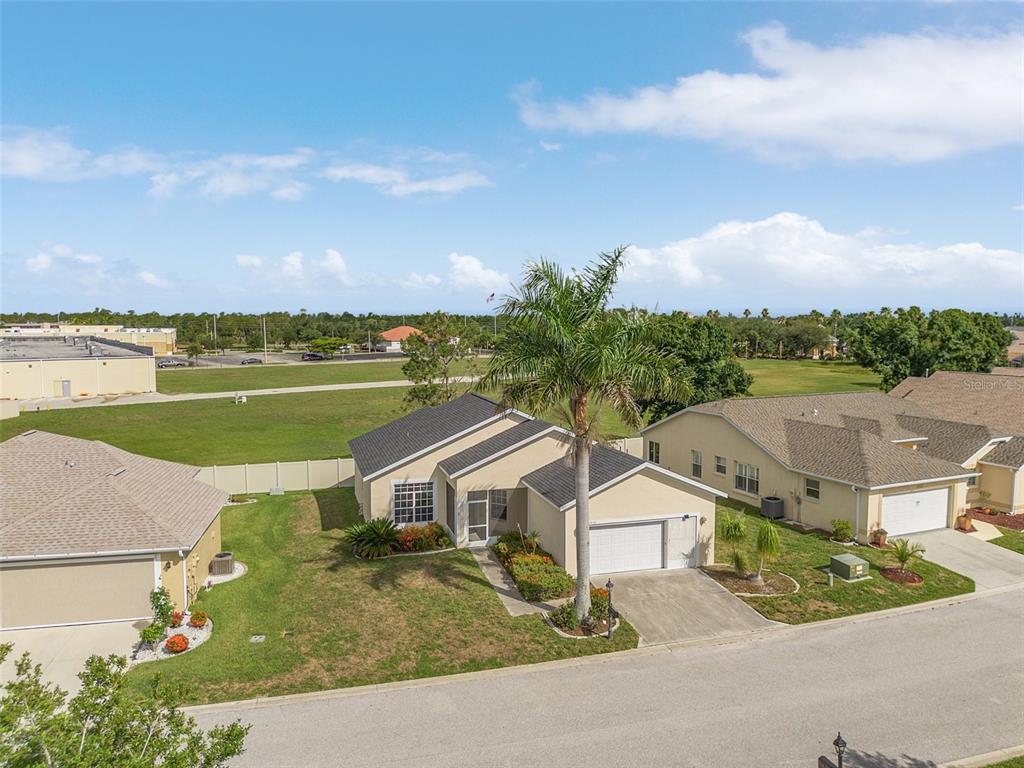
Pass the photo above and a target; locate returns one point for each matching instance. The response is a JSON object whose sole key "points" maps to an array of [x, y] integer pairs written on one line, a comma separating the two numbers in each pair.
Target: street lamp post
{"points": [[840, 745], [611, 611]]}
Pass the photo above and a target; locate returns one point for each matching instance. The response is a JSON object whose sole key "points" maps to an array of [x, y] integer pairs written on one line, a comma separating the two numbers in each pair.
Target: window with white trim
{"points": [[720, 466], [498, 500], [653, 452], [972, 482], [696, 463], [748, 478], [812, 489], [413, 502]]}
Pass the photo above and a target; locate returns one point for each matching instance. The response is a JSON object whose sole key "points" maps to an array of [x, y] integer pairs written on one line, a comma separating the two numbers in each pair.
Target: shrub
{"points": [[842, 530], [198, 620], [163, 606], [177, 618], [538, 577], [740, 562], [420, 538], [372, 539], [564, 617], [905, 550], [176, 643], [152, 634]]}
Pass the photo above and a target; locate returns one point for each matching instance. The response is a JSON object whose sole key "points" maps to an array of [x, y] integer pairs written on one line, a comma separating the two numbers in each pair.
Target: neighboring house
{"points": [[995, 400], [88, 530], [391, 339], [865, 457], [480, 470]]}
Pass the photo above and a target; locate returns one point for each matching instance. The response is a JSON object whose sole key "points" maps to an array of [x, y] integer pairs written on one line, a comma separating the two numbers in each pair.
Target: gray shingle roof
{"points": [[978, 398], [494, 445], [557, 481], [848, 436], [62, 495], [418, 431], [1010, 454]]}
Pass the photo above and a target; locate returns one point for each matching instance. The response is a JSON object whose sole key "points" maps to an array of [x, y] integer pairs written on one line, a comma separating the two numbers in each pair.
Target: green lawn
{"points": [[234, 378], [1013, 762], [805, 553], [333, 621], [1010, 539], [791, 377], [307, 425]]}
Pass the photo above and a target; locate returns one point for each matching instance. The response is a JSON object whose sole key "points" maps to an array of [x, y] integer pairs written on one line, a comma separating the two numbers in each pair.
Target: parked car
{"points": [[313, 356], [171, 363], [251, 361]]}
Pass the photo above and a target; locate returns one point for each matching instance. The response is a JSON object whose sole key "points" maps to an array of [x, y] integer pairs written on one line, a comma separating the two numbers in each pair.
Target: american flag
{"points": [[490, 298]]}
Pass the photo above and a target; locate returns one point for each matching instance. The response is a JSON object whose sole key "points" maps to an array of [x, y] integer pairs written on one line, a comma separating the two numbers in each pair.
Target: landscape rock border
{"points": [[196, 637], [550, 623]]}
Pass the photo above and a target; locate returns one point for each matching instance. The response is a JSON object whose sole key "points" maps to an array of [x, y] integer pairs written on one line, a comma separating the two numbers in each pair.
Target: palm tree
{"points": [[769, 545], [765, 314], [563, 351], [746, 313], [905, 550], [734, 531]]}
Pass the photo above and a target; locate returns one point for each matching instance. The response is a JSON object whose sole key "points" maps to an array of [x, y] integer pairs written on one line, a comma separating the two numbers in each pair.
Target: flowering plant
{"points": [[176, 643], [198, 620], [177, 617]]}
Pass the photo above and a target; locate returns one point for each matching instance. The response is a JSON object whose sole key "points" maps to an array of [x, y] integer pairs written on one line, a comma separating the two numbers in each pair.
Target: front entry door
{"points": [[62, 388], [476, 507]]}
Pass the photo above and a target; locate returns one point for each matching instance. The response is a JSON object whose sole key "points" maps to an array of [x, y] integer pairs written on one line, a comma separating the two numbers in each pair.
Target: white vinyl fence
{"points": [[287, 475]]}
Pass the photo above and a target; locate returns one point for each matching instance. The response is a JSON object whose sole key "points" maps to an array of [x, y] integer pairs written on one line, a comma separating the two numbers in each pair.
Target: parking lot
{"points": [[234, 357]]}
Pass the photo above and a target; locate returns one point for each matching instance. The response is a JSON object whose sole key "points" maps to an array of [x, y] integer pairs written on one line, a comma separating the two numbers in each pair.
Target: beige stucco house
{"points": [[866, 457], [88, 530], [481, 470]]}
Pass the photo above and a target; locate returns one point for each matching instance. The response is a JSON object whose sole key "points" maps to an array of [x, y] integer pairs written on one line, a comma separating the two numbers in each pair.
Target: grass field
{"points": [[332, 621], [792, 377], [1011, 539], [235, 378], [308, 425]]}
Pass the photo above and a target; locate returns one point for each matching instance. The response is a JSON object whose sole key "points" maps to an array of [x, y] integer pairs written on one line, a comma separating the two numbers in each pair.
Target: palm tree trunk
{"points": [[582, 528]]}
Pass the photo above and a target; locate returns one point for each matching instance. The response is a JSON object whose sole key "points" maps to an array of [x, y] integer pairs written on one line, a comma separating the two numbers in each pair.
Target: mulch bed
{"points": [[901, 577], [595, 631], [1013, 522], [774, 583]]}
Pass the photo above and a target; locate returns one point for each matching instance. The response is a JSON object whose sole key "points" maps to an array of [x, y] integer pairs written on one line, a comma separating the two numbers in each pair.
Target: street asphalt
{"points": [[910, 689]]}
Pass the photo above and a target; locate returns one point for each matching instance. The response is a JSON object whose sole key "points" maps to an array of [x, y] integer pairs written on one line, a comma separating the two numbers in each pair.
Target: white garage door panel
{"points": [[634, 547], [41, 594], [915, 512]]}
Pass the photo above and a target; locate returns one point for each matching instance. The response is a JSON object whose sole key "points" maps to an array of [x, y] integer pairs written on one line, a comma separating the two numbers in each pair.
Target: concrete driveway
{"points": [[988, 564], [63, 650], [684, 604]]}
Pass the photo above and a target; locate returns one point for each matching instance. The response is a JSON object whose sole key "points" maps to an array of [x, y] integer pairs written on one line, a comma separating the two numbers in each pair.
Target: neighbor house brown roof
{"points": [[399, 333], [850, 436], [995, 400], [62, 496]]}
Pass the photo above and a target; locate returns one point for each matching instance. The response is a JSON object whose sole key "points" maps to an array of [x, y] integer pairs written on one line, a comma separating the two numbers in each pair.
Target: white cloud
{"points": [[550, 146], [41, 262], [902, 98], [1019, 207], [417, 282], [469, 273], [48, 155], [397, 182], [88, 272], [152, 280], [293, 271], [789, 260], [248, 261], [291, 266], [334, 265]]}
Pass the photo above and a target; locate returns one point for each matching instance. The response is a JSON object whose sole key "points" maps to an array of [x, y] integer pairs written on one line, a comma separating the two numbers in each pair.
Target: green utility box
{"points": [[849, 567]]}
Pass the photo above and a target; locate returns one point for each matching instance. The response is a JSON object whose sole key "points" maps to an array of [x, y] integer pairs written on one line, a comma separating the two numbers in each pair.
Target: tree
{"points": [[103, 724], [703, 352], [905, 550], [563, 351], [769, 545], [327, 345], [734, 531], [431, 355], [194, 350], [907, 342], [746, 314]]}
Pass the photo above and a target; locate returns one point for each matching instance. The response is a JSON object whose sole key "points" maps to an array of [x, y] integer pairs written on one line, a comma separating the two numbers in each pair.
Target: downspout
{"points": [[184, 579], [856, 511]]}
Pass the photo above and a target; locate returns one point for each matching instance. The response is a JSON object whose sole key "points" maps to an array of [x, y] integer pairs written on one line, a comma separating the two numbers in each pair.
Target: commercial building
{"points": [[161, 340], [74, 366]]}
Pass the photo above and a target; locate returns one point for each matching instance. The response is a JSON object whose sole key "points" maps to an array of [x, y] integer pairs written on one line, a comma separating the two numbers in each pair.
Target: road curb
{"points": [[778, 630], [981, 761]]}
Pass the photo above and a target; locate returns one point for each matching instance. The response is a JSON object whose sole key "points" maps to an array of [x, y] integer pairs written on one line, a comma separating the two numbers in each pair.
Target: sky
{"points": [[405, 158]]}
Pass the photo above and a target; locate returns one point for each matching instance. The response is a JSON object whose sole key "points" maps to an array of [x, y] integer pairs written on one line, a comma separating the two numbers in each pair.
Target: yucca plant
{"points": [[734, 531], [905, 550], [372, 539], [769, 545]]}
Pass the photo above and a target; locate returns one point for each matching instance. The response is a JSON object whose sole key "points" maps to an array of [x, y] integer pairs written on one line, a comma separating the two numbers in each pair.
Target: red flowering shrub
{"points": [[419, 538], [199, 619], [177, 618], [176, 643]]}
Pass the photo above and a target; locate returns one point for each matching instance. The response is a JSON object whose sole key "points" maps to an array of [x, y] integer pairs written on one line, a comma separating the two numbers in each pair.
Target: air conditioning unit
{"points": [[773, 507], [223, 564]]}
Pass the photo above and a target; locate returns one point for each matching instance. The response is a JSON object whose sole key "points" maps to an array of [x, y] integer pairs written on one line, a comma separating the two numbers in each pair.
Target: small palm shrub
{"points": [[373, 538], [769, 545], [842, 530], [740, 563], [905, 550]]}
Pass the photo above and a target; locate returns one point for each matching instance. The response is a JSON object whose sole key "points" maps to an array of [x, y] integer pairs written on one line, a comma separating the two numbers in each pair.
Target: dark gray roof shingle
{"points": [[419, 430], [494, 445], [557, 481]]}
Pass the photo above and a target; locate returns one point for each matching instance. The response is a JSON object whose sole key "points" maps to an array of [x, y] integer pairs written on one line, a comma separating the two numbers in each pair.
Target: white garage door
{"points": [[914, 512], [633, 547]]}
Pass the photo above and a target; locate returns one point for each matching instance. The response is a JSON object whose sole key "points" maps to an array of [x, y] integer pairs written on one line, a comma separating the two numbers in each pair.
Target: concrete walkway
{"points": [[777, 698], [158, 397], [678, 605], [62, 651], [508, 593], [989, 565]]}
